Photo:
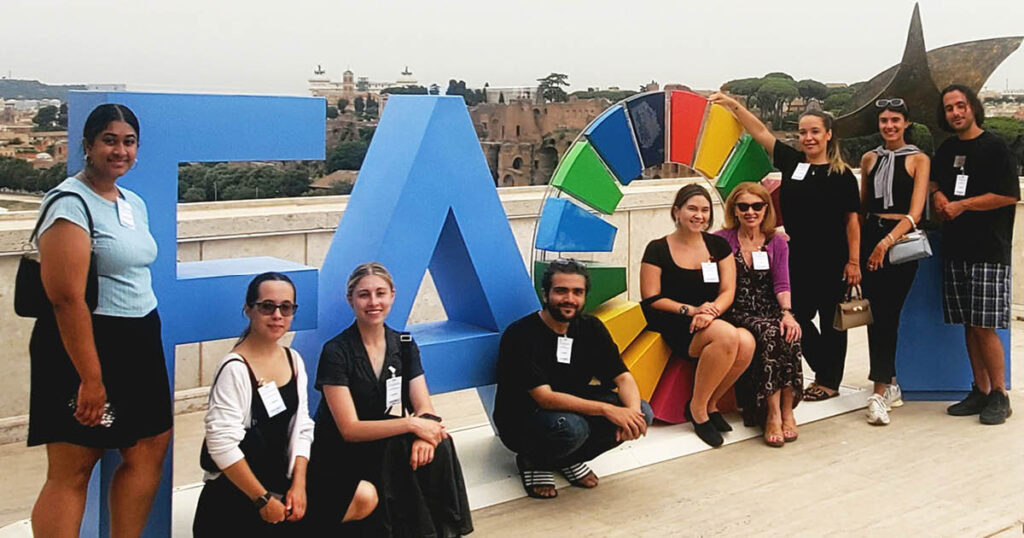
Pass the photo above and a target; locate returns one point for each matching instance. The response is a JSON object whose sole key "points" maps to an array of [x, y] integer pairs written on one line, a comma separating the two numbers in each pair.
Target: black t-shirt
{"points": [[978, 236], [526, 360], [344, 362], [815, 207], [681, 284]]}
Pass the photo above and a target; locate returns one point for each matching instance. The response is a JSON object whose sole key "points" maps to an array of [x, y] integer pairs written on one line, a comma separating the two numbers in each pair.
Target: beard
{"points": [[556, 311]]}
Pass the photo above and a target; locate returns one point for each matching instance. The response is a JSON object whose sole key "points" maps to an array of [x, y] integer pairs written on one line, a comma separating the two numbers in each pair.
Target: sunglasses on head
{"points": [[882, 103], [267, 308], [743, 206]]}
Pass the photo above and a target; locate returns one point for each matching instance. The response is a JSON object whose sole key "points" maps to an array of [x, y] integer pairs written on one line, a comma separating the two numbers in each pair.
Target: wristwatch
{"points": [[261, 501], [683, 309]]}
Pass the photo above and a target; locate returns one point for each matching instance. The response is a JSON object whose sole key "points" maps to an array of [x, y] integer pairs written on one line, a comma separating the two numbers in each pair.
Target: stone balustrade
{"points": [[300, 230]]}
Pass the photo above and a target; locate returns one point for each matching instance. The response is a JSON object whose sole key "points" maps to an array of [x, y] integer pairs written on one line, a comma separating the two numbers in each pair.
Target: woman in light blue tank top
{"points": [[99, 379]]}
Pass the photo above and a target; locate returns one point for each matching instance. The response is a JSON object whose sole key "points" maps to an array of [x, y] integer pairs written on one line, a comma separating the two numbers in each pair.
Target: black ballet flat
{"points": [[707, 433], [705, 430], [719, 422]]}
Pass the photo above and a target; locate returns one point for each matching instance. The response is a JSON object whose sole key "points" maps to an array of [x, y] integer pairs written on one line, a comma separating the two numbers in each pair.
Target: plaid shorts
{"points": [[976, 294]]}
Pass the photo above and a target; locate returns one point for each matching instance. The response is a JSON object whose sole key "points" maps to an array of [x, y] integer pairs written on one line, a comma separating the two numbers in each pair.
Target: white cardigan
{"points": [[228, 415]]}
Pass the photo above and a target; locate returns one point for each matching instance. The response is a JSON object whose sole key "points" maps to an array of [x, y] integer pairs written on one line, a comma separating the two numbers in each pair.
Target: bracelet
{"points": [[890, 238], [429, 416]]}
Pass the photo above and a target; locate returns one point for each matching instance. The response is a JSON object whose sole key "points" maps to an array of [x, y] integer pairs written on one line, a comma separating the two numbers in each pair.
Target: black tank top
{"points": [[902, 189]]}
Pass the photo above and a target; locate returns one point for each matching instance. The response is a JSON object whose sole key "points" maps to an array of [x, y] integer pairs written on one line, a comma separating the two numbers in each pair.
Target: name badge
{"points": [[392, 390], [760, 260], [563, 352], [124, 214], [271, 398], [959, 161], [961, 185], [710, 271], [801, 171]]}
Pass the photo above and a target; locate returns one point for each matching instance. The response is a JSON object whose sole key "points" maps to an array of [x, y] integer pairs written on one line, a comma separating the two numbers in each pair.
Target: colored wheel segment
{"points": [[643, 131]]}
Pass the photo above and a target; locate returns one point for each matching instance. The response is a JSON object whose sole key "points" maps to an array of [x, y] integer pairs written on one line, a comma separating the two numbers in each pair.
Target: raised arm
{"points": [[761, 134]]}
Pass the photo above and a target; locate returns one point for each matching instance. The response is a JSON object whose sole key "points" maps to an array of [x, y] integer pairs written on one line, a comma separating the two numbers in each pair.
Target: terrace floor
{"points": [[926, 474]]}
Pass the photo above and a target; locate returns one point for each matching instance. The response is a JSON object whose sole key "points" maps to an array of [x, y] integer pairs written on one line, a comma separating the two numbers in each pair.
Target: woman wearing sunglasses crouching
{"points": [[370, 376], [893, 193], [773, 385], [258, 430]]}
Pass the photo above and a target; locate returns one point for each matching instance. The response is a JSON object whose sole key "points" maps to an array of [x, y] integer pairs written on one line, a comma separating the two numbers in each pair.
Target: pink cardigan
{"points": [[778, 257]]}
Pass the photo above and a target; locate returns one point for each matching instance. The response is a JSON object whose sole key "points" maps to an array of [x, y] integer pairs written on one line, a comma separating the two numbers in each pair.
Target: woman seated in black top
{"points": [[370, 375], [893, 193], [688, 279]]}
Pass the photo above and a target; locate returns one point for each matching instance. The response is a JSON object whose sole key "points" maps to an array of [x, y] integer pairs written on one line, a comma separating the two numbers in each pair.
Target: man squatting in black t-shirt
{"points": [[974, 186], [546, 409]]}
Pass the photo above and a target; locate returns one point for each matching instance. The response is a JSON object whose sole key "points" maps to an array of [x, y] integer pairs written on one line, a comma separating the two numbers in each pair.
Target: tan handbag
{"points": [[852, 312]]}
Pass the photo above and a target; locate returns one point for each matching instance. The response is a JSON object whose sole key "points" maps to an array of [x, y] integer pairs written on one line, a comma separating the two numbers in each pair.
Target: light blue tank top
{"points": [[123, 253]]}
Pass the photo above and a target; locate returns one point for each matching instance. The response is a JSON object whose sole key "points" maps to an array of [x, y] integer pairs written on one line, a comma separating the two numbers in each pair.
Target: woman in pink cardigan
{"points": [[773, 385]]}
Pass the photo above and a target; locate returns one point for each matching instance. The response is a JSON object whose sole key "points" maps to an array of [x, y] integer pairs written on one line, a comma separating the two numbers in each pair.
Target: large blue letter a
{"points": [[425, 199]]}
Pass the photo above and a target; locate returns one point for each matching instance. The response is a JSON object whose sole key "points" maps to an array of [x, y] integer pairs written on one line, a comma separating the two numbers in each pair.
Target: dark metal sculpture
{"points": [[920, 75]]}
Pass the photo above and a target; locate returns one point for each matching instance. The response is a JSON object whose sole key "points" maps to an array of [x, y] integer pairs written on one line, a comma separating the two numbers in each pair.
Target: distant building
{"points": [[508, 94], [350, 86]]}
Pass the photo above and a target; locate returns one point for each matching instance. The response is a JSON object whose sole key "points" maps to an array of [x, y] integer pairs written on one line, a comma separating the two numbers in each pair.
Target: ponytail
{"points": [[836, 164]]}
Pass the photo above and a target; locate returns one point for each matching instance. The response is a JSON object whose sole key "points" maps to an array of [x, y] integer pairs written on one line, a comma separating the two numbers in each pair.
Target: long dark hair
{"points": [[101, 116], [972, 99], [836, 164], [252, 294]]}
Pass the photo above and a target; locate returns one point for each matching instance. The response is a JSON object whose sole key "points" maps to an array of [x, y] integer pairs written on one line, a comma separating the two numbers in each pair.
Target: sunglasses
{"points": [[744, 207], [565, 263], [882, 103], [267, 308]]}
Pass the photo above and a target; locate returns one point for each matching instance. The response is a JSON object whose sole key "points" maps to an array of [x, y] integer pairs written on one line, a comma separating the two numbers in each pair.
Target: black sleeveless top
{"points": [[902, 189]]}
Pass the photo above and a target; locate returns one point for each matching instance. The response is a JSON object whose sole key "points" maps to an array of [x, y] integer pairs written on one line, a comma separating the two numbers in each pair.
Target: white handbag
{"points": [[914, 245]]}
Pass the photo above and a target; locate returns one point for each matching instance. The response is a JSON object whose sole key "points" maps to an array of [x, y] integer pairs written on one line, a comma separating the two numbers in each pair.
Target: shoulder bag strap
{"points": [[404, 349], [49, 203]]}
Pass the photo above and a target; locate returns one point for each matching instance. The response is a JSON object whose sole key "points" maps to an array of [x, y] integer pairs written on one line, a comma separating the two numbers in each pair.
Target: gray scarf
{"points": [[884, 169]]}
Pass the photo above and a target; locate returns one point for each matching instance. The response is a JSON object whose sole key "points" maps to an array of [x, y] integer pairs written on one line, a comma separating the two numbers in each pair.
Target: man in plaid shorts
{"points": [[974, 187]]}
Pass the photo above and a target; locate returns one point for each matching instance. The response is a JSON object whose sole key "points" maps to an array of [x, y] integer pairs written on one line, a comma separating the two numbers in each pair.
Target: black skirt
{"points": [[134, 374]]}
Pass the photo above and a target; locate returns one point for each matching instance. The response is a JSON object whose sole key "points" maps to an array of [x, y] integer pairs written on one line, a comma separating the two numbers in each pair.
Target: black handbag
{"points": [[30, 299], [253, 445]]}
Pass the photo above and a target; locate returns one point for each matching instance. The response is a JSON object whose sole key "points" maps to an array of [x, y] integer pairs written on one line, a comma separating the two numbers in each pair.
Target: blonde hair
{"points": [[364, 270], [756, 189], [836, 164]]}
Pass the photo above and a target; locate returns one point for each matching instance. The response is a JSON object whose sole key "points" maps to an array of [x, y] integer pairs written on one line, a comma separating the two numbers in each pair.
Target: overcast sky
{"points": [[272, 46]]}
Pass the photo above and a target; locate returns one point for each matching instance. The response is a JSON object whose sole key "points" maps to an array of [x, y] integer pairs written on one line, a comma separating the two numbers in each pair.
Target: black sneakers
{"points": [[997, 408], [973, 404]]}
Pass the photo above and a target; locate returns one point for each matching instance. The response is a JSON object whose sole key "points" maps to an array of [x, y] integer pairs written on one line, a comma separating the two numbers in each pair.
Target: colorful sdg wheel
{"points": [[645, 130]]}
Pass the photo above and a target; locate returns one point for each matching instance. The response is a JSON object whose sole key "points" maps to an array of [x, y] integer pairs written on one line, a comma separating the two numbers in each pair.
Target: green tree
{"points": [[372, 109], [550, 87], [470, 96], [435, 89], [342, 105], [405, 90], [812, 89], [16, 174], [1011, 130], [743, 87], [836, 102], [359, 105], [346, 156], [332, 112], [46, 119], [779, 74], [773, 94]]}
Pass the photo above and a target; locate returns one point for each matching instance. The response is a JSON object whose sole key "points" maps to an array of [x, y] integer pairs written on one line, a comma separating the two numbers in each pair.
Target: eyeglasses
{"points": [[267, 308], [882, 103], [744, 207]]}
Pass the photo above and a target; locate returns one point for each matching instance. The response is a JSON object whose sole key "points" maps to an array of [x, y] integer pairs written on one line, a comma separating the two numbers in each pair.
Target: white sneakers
{"points": [[893, 396], [878, 412]]}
